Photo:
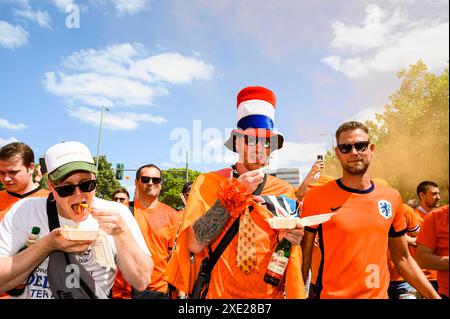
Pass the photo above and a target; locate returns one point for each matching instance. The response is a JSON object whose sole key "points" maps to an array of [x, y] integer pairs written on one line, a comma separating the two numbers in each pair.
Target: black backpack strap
{"points": [[131, 207], [52, 214], [58, 258]]}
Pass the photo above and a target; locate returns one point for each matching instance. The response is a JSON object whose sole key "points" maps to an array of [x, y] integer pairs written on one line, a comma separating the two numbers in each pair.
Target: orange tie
{"points": [[246, 255]]}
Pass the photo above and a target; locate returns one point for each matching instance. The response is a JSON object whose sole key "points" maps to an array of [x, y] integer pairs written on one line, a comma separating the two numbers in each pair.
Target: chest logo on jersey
{"points": [[385, 208]]}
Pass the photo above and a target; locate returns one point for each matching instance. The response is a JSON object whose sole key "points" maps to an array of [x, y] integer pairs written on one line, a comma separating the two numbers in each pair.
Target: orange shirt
{"points": [[412, 220], [430, 274], [354, 242], [434, 235], [159, 226], [227, 280], [7, 199], [121, 289]]}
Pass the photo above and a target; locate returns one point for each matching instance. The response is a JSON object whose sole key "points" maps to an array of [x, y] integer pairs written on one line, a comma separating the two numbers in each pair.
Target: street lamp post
{"points": [[100, 133]]}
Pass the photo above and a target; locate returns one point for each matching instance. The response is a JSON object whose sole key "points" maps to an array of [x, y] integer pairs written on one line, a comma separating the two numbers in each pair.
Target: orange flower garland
{"points": [[234, 196]]}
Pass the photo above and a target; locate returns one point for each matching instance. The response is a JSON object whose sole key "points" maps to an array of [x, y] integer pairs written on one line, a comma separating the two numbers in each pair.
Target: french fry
{"points": [[81, 206]]}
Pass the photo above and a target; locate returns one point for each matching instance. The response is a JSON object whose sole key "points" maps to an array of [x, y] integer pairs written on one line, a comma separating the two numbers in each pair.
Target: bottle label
{"points": [[277, 264]]}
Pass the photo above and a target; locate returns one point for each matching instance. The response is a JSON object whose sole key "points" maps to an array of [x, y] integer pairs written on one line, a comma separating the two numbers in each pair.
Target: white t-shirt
{"points": [[27, 213]]}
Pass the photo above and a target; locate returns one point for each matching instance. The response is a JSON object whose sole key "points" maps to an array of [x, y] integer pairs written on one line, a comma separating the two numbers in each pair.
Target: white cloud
{"points": [[373, 34], [11, 36], [42, 18], [122, 76], [99, 89], [175, 68], [387, 43], [130, 7], [7, 141], [62, 4], [366, 114], [7, 125], [350, 67], [298, 155], [114, 121]]}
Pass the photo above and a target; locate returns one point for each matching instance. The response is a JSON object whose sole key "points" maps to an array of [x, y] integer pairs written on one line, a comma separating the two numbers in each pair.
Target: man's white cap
{"points": [[67, 157]]}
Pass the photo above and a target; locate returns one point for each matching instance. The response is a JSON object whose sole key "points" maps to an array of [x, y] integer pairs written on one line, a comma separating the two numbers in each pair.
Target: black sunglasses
{"points": [[85, 187], [120, 199], [147, 179], [253, 141], [359, 147]]}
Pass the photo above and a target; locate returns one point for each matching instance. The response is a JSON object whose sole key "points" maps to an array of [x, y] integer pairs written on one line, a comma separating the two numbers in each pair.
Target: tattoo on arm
{"points": [[209, 226]]}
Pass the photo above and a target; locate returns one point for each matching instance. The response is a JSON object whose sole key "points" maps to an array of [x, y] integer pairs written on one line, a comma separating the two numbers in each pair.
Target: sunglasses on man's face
{"points": [[120, 199], [147, 179], [359, 147], [253, 141], [85, 187]]}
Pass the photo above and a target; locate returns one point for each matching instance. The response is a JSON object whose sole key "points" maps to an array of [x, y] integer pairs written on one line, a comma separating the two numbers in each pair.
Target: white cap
{"points": [[64, 158]]}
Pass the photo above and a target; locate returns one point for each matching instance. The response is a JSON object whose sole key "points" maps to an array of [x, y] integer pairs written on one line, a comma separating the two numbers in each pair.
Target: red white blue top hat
{"points": [[255, 116]]}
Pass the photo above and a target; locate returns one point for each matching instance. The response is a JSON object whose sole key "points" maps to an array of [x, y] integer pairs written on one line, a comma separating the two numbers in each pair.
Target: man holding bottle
{"points": [[72, 205], [219, 200]]}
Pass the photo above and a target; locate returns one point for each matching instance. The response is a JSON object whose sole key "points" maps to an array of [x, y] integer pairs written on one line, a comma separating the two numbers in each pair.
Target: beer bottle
{"points": [[278, 263], [32, 238]]}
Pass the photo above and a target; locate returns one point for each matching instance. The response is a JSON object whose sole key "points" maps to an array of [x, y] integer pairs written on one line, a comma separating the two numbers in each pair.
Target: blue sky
{"points": [[169, 71]]}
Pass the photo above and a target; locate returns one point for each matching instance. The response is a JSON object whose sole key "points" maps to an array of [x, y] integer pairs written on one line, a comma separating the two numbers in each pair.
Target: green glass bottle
{"points": [[32, 238], [278, 263]]}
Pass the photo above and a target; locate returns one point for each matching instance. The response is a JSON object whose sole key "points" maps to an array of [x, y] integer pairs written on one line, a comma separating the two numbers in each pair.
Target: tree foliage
{"points": [[412, 134], [174, 179], [106, 182]]}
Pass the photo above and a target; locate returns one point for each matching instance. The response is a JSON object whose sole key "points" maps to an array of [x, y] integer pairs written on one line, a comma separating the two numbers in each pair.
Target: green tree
{"points": [[412, 134], [106, 182], [332, 165], [174, 179]]}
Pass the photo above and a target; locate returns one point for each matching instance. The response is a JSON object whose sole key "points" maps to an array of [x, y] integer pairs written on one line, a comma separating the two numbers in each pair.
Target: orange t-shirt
{"points": [[430, 274], [354, 242], [7, 199], [412, 220], [434, 235], [159, 226], [121, 289]]}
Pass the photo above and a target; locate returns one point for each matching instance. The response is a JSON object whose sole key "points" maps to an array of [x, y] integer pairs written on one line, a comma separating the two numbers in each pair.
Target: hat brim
{"points": [[68, 168], [276, 138]]}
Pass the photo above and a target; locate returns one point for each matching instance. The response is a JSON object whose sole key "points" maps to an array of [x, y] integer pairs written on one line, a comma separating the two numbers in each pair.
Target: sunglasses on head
{"points": [[120, 199], [253, 141], [147, 179], [359, 147], [85, 187]]}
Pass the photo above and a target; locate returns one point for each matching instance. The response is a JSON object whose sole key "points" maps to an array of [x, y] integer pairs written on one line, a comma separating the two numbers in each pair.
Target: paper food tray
{"points": [[315, 220], [80, 234], [282, 222]]}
